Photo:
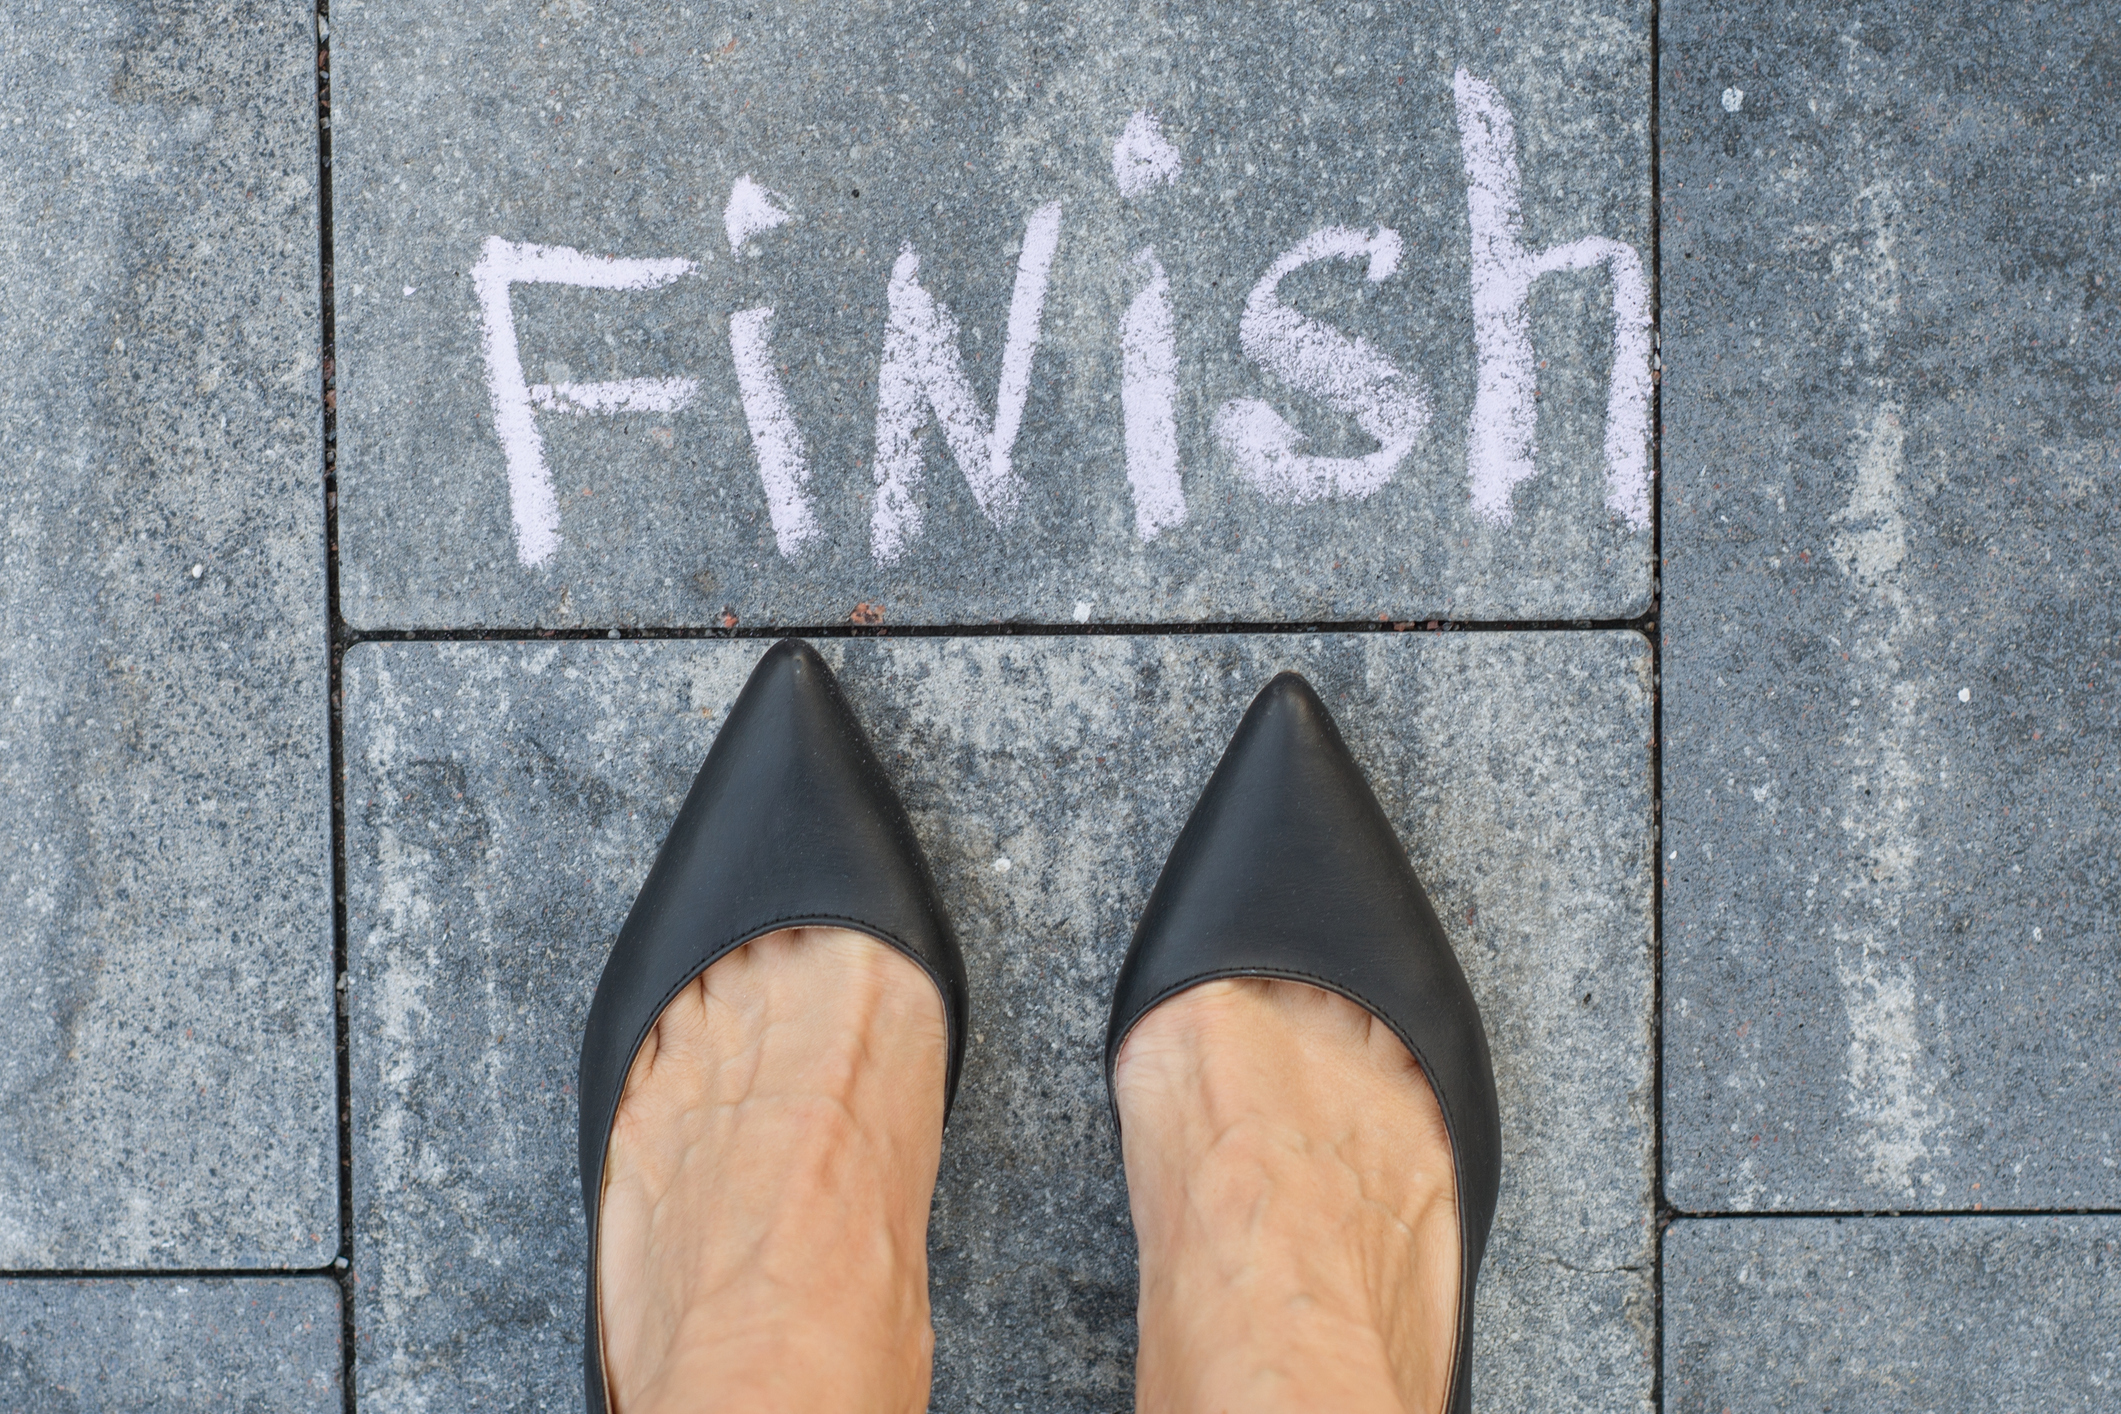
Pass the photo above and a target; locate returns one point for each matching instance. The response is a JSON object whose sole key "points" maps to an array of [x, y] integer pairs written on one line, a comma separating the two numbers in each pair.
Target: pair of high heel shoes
{"points": [[1288, 869]]}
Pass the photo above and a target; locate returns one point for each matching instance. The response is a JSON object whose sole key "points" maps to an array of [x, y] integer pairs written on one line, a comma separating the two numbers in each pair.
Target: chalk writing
{"points": [[1499, 441], [1143, 158], [504, 264], [751, 211], [620, 395], [1148, 393], [784, 472], [1345, 373], [923, 369]]}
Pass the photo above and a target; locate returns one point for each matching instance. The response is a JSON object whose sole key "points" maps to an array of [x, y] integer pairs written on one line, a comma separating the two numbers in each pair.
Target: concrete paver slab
{"points": [[1892, 350], [1896, 1315], [658, 314], [167, 1086], [171, 1345], [504, 800]]}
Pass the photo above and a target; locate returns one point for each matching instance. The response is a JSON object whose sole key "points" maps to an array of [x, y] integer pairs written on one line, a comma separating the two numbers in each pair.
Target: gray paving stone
{"points": [[504, 801], [1896, 1315], [166, 1091], [166, 1345], [1892, 354], [465, 135]]}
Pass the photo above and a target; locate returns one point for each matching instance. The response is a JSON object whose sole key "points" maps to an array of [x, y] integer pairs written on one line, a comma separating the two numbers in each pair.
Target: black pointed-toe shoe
{"points": [[790, 823], [1288, 868]]}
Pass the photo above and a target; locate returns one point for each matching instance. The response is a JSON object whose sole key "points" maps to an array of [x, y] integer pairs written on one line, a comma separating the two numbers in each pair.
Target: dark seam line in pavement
{"points": [[334, 1274], [1814, 1214], [1646, 625], [1658, 1205], [330, 1274], [327, 328]]}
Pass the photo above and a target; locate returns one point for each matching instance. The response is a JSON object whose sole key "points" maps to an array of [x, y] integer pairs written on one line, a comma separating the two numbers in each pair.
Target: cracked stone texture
{"points": [[1892, 355], [504, 800], [166, 1091], [164, 1345], [1895, 1315], [620, 129]]}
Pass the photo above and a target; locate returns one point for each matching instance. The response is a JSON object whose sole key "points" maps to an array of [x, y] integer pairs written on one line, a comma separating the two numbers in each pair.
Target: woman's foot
{"points": [[1296, 1205], [763, 1243]]}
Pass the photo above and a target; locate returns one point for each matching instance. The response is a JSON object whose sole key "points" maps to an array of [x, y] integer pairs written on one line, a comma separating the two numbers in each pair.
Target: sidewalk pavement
{"points": [[1678, 446]]}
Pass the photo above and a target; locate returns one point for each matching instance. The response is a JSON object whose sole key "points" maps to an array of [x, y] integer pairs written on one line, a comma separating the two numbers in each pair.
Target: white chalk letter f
{"points": [[507, 263], [1499, 450]]}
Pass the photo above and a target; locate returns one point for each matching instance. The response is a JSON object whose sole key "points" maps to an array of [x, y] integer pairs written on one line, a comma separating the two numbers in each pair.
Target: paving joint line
{"points": [[326, 1273], [1645, 624], [1659, 1206], [341, 1268], [1887, 1214], [335, 1274]]}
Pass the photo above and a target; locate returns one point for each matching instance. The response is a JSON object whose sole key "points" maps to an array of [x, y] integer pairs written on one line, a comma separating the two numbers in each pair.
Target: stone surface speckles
{"points": [[622, 130], [1892, 346], [256, 1345], [166, 1086], [658, 316], [503, 801], [1896, 1315]]}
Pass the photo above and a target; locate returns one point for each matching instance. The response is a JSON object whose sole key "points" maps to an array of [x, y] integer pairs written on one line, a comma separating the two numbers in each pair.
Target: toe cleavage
{"points": [[1288, 868], [791, 822]]}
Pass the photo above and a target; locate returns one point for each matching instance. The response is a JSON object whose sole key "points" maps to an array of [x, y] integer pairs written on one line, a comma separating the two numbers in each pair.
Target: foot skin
{"points": [[1293, 1195], [763, 1239]]}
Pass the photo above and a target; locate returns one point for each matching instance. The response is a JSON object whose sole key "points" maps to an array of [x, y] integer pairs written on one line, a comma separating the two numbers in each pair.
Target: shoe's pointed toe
{"points": [[1289, 868], [790, 823]]}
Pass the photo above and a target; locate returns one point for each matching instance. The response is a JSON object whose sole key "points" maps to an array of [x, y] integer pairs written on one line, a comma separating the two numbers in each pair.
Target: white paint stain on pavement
{"points": [[1873, 543], [1896, 1091], [1344, 372], [501, 266], [1500, 451], [1887, 1096], [924, 370]]}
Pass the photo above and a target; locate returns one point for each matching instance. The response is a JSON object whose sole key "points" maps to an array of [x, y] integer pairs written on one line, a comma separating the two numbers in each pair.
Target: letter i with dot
{"points": [[1143, 160]]}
